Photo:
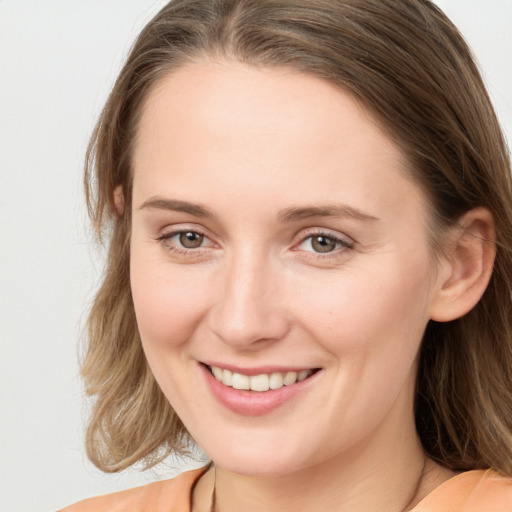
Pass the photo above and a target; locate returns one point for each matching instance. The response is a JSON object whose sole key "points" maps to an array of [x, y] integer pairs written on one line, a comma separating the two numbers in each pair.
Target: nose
{"points": [[249, 307]]}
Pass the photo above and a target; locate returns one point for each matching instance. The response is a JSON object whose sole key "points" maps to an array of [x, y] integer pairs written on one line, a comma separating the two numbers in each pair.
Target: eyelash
{"points": [[341, 245]]}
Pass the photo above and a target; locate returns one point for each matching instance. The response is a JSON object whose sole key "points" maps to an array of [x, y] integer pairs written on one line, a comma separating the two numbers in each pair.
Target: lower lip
{"points": [[254, 403]]}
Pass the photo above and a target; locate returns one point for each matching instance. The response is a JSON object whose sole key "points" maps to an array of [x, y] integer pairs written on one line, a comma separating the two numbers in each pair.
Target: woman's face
{"points": [[276, 237]]}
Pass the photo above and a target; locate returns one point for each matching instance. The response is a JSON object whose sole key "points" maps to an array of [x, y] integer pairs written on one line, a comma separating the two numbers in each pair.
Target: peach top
{"points": [[472, 491]]}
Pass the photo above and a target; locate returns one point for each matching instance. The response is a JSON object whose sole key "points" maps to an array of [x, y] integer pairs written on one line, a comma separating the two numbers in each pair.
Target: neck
{"points": [[329, 487]]}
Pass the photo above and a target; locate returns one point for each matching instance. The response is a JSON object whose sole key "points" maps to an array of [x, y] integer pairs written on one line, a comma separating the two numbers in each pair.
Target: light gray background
{"points": [[58, 60]]}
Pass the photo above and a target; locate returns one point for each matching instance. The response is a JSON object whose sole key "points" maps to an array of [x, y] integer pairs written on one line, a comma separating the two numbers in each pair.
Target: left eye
{"points": [[322, 243], [189, 239]]}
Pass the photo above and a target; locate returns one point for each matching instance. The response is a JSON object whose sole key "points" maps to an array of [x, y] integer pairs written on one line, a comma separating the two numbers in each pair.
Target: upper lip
{"points": [[258, 370]]}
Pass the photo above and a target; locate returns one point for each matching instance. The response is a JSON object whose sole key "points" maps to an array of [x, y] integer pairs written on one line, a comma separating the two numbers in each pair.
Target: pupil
{"points": [[323, 244], [191, 240]]}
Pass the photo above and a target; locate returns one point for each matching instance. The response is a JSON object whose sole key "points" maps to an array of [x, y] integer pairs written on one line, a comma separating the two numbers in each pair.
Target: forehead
{"points": [[260, 131]]}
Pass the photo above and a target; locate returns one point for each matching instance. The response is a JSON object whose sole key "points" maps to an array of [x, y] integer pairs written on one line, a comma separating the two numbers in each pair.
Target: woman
{"points": [[309, 212]]}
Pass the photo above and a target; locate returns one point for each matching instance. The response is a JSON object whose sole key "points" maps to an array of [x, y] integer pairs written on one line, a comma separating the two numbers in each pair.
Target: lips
{"points": [[255, 392]]}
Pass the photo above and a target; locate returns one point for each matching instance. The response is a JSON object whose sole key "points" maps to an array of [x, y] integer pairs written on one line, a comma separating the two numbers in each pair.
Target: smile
{"points": [[257, 391], [260, 383]]}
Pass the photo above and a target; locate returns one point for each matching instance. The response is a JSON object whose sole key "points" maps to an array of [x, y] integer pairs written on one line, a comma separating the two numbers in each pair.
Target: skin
{"points": [[248, 145]]}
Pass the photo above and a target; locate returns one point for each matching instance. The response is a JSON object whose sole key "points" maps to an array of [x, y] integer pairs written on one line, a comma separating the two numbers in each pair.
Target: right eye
{"points": [[189, 239], [184, 241]]}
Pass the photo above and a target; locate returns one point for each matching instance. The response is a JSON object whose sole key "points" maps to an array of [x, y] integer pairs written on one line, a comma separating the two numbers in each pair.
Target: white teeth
{"points": [[227, 377], [290, 378], [240, 381], [217, 372], [260, 383], [276, 381], [303, 375]]}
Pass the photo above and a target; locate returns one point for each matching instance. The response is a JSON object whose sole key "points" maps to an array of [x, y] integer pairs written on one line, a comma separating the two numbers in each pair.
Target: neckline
{"points": [[425, 505], [460, 480], [200, 473]]}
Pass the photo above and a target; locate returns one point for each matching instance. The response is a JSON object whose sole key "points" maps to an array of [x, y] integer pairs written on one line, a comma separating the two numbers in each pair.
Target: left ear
{"points": [[467, 266]]}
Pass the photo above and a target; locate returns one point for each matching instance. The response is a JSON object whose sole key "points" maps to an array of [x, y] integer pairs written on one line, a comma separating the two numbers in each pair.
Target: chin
{"points": [[254, 461]]}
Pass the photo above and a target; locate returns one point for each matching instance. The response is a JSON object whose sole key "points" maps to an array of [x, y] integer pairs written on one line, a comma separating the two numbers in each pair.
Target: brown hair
{"points": [[407, 63]]}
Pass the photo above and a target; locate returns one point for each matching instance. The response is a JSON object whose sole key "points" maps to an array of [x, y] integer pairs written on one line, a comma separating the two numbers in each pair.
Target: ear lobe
{"points": [[469, 259], [118, 199]]}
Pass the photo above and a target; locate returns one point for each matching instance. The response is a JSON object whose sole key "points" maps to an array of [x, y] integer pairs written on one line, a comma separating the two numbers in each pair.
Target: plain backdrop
{"points": [[58, 60]]}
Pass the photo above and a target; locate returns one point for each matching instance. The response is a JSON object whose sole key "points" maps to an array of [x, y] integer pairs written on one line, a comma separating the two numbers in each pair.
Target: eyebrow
{"points": [[299, 213], [159, 203], [292, 214]]}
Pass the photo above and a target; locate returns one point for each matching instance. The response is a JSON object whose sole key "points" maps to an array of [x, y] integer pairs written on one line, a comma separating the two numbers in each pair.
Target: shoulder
{"points": [[472, 491], [168, 495]]}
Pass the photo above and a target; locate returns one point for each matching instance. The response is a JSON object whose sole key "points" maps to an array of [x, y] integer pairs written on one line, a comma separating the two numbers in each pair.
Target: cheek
{"points": [[169, 301], [372, 328], [362, 310]]}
